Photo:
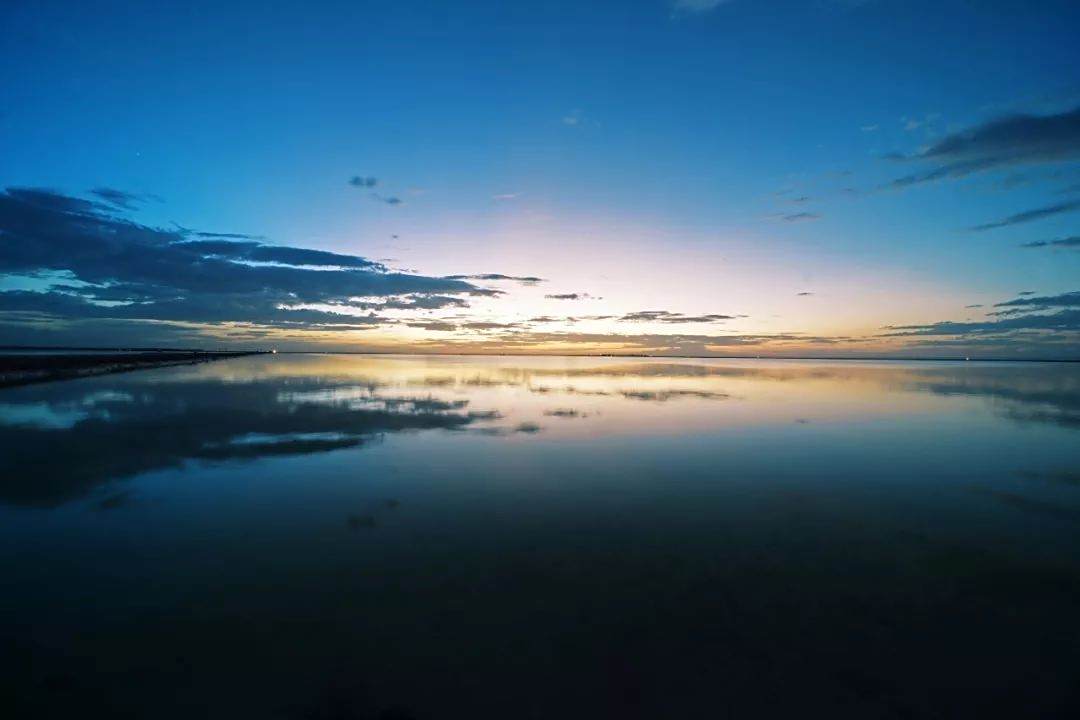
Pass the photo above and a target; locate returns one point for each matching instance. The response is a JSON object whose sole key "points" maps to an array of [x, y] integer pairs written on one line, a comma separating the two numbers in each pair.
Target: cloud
{"points": [[1073, 241], [505, 196], [523, 279], [1049, 316], [869, 128], [120, 269], [572, 296], [119, 198], [1069, 300], [1065, 321], [259, 252], [1017, 138], [1030, 216], [488, 325], [664, 316], [804, 294], [573, 118], [1007, 141], [434, 326], [970, 307], [800, 217], [368, 182], [228, 236]]}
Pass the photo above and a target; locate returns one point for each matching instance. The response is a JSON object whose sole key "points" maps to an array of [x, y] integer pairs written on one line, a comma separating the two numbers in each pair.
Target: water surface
{"points": [[309, 536]]}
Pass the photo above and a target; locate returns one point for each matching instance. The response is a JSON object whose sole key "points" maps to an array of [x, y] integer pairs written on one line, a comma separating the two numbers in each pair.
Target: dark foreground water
{"points": [[406, 537]]}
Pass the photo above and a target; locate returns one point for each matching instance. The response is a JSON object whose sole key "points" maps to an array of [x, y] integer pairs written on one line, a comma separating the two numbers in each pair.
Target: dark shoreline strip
{"points": [[36, 368]]}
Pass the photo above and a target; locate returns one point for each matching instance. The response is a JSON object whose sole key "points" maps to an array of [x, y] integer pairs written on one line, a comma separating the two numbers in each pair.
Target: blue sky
{"points": [[696, 158]]}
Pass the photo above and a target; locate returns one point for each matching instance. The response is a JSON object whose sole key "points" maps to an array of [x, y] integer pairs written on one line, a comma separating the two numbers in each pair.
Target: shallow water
{"points": [[309, 536]]}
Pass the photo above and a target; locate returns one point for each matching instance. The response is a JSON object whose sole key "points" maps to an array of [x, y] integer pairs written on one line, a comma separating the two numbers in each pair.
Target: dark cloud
{"points": [[368, 183], [970, 307], [665, 316], [228, 236], [572, 296], [953, 170], [523, 279], [1065, 300], [486, 325], [433, 326], [804, 294], [1065, 321], [1053, 314], [119, 198], [261, 309], [1016, 138], [165, 275], [1030, 215], [800, 217], [259, 252], [1073, 241], [1012, 140]]}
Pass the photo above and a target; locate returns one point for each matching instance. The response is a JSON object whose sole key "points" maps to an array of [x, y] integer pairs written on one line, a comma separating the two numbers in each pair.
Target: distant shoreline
{"points": [[40, 351], [40, 366]]}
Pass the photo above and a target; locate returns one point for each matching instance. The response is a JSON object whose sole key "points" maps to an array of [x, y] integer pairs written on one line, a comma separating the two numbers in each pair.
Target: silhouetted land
{"points": [[23, 369]]}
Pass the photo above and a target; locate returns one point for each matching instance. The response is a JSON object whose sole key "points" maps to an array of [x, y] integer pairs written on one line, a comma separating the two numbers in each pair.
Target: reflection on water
{"points": [[346, 536]]}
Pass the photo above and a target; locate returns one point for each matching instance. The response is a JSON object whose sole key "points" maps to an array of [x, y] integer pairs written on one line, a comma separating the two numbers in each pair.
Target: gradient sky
{"points": [[774, 177]]}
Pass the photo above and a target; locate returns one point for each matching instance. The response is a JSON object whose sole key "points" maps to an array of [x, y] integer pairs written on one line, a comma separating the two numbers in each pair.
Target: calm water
{"points": [[405, 537]]}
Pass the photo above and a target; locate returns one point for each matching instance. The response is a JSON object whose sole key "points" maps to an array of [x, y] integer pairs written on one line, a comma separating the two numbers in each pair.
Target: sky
{"points": [[837, 178]]}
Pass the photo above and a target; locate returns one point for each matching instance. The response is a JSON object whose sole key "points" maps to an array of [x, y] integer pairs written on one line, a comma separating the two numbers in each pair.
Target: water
{"points": [[317, 536]]}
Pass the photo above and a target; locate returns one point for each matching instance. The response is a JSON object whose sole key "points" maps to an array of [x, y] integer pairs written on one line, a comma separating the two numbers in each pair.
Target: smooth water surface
{"points": [[330, 536]]}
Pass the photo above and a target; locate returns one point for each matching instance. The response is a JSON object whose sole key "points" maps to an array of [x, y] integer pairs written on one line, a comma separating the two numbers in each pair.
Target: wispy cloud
{"points": [[368, 182], [572, 296], [523, 279], [121, 199], [573, 118], [1007, 141], [800, 217], [1069, 300], [1052, 316], [1073, 241], [664, 316], [1030, 216]]}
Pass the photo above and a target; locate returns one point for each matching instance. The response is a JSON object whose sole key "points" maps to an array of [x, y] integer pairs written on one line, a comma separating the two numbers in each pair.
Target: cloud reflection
{"points": [[66, 439]]}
